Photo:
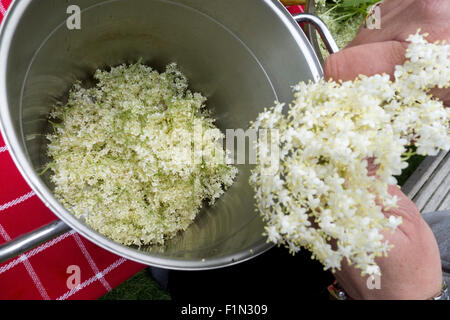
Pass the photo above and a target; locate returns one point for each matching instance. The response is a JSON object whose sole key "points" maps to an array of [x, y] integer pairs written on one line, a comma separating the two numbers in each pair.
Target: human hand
{"points": [[380, 50], [412, 269]]}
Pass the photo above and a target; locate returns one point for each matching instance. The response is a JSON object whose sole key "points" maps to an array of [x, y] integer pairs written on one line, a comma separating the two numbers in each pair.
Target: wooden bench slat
{"points": [[439, 194], [422, 174], [445, 205], [435, 187]]}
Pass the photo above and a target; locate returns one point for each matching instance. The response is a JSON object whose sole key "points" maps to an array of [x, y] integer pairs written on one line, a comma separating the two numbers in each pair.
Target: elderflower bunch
{"points": [[124, 154], [322, 197]]}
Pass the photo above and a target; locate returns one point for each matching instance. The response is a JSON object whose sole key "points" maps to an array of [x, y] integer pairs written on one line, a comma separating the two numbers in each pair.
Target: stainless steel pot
{"points": [[242, 55]]}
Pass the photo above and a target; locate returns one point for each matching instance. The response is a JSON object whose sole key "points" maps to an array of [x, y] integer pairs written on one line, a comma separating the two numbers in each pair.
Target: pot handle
{"points": [[32, 239], [321, 28]]}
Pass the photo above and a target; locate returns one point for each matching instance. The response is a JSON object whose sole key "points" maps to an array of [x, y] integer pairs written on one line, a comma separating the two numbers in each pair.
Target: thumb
{"points": [[367, 59]]}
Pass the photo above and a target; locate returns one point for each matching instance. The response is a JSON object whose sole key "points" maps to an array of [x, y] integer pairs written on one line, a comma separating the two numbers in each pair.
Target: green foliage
{"points": [[344, 10], [139, 287], [343, 18]]}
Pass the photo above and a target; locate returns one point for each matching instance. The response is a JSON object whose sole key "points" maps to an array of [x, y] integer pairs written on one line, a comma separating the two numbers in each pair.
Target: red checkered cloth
{"points": [[46, 272]]}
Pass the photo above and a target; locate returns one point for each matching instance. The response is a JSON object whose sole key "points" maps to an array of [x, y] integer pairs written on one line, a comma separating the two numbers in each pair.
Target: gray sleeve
{"points": [[439, 223]]}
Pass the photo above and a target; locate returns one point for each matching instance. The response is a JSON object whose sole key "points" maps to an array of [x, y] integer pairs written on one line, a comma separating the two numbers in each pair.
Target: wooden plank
{"points": [[445, 205], [434, 202], [430, 188], [422, 174]]}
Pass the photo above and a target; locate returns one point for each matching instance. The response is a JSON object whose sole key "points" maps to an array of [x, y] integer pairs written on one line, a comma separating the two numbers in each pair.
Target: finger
{"points": [[392, 17], [372, 168], [398, 22], [394, 6], [368, 59], [443, 95], [393, 9], [406, 208]]}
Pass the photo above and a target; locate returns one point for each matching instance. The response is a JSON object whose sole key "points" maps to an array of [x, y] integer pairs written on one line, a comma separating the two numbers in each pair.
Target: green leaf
{"points": [[358, 3]]}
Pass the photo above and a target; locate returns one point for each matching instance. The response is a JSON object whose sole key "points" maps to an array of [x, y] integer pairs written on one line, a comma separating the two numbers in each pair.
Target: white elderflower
{"points": [[272, 234], [322, 194], [123, 159]]}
